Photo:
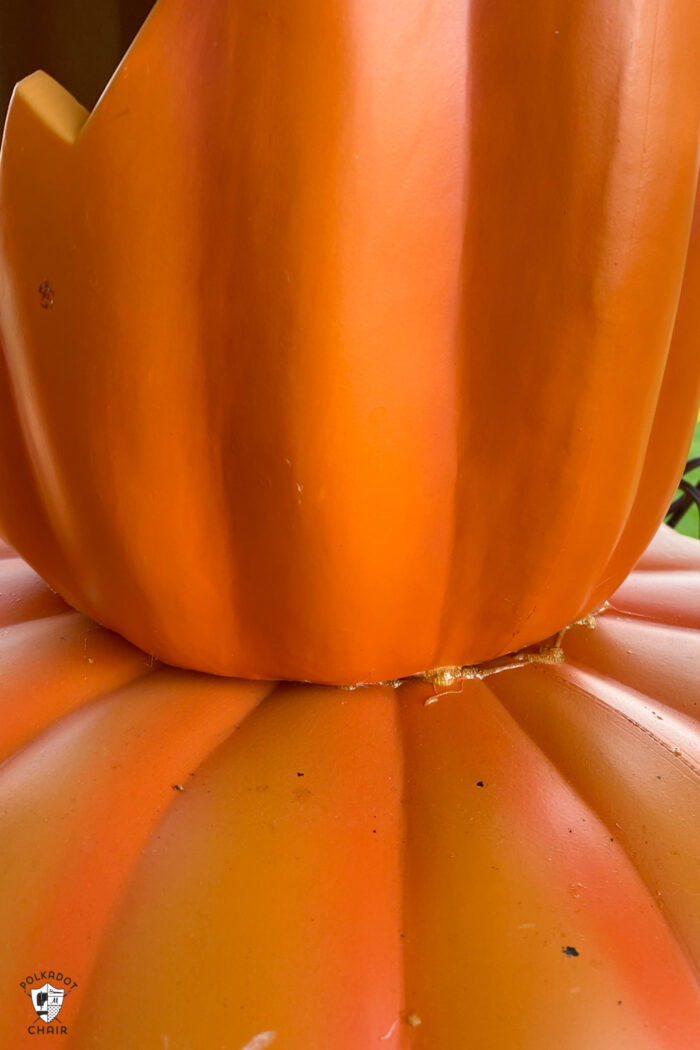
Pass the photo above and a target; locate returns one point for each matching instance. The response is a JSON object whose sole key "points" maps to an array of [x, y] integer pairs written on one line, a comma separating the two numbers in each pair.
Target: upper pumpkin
{"points": [[342, 340]]}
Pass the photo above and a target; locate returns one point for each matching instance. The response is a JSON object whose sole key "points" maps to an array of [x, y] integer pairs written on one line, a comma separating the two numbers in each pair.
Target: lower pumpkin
{"points": [[216, 863]]}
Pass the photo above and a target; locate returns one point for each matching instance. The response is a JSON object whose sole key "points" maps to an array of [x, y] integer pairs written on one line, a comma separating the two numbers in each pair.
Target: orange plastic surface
{"points": [[513, 865], [342, 340]]}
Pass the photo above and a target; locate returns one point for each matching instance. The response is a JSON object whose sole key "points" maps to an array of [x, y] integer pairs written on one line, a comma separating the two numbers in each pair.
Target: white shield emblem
{"points": [[47, 1001]]}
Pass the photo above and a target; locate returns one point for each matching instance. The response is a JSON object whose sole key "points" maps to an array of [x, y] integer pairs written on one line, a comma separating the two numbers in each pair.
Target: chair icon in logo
{"points": [[47, 1001]]}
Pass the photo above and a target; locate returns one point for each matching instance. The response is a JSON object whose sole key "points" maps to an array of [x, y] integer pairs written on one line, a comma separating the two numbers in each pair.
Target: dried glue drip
{"points": [[444, 677], [392, 683], [546, 654], [449, 675]]}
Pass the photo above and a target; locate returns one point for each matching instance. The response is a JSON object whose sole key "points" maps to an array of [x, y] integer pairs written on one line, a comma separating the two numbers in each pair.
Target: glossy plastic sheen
{"points": [[513, 865], [342, 340]]}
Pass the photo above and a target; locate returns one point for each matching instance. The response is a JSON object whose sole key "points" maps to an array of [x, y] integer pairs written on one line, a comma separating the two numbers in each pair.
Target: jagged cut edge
{"points": [[49, 103]]}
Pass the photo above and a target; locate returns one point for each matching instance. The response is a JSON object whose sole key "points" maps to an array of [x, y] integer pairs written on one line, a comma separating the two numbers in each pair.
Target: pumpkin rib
{"points": [[657, 660], [691, 769], [24, 595], [8, 625], [288, 916], [531, 794], [593, 694], [148, 840], [155, 730], [111, 692], [679, 392], [685, 950], [494, 810], [29, 503], [624, 615], [55, 665], [594, 697], [601, 679], [669, 550], [20, 746], [674, 390], [653, 703], [640, 617], [661, 597]]}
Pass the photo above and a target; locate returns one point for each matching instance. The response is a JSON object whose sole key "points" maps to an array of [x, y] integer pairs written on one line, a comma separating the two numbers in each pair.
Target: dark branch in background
{"points": [[689, 497]]}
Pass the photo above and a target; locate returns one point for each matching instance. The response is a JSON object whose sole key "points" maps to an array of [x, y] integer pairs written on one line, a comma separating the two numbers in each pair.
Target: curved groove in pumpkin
{"points": [[680, 947], [604, 717], [24, 595], [107, 773], [658, 661], [31, 503], [297, 902], [507, 864], [632, 704], [680, 390], [663, 596], [58, 665], [670, 550]]}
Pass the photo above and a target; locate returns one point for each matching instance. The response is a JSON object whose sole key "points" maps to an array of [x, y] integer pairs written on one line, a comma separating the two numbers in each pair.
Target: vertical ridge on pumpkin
{"points": [[106, 773], [658, 661], [583, 723], [586, 211], [680, 391], [510, 867], [670, 550], [280, 862], [661, 597], [57, 665], [24, 595], [26, 504]]}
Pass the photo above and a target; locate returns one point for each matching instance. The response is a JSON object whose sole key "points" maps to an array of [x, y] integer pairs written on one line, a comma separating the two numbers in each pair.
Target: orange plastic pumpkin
{"points": [[342, 340], [225, 864]]}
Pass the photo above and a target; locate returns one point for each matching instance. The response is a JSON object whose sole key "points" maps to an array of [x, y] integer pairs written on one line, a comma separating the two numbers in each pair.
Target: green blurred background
{"points": [[690, 525]]}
